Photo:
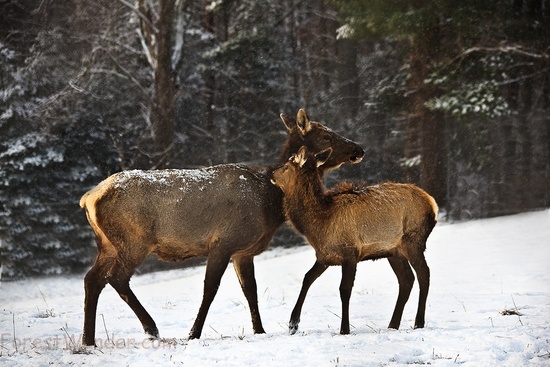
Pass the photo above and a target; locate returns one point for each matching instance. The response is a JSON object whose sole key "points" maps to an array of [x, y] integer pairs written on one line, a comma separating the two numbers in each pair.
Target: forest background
{"points": [[451, 95]]}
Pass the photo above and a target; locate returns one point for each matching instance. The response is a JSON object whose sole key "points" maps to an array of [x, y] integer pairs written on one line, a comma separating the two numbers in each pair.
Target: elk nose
{"points": [[358, 155]]}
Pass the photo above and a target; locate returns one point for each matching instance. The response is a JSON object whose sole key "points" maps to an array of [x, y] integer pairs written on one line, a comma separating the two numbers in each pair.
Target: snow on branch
{"points": [[506, 49]]}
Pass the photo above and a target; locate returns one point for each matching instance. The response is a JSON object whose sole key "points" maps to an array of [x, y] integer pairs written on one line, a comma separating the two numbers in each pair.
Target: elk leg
{"points": [[348, 277], [216, 264], [94, 282], [120, 281], [405, 277], [314, 273], [244, 267], [422, 270]]}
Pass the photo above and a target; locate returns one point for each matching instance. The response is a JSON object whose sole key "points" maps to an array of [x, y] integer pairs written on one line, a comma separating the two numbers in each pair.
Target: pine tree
{"points": [[460, 57]]}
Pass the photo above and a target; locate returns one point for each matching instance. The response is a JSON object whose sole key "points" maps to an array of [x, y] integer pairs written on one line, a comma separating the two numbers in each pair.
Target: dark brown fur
{"points": [[355, 222], [223, 212]]}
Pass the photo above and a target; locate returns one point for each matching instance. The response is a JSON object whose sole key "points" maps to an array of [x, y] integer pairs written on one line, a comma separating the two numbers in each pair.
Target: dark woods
{"points": [[452, 96]]}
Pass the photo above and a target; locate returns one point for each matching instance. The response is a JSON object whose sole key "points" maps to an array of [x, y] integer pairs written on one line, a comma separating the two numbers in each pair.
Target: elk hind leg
{"points": [[418, 262], [405, 278], [94, 282], [119, 279]]}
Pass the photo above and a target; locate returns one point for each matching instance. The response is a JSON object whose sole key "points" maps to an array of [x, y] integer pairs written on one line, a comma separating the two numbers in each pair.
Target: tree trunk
{"points": [[165, 88], [424, 144], [348, 75], [157, 33]]}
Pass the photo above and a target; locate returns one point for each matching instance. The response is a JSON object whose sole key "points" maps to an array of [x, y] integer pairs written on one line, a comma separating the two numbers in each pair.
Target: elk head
{"points": [[286, 176], [317, 137]]}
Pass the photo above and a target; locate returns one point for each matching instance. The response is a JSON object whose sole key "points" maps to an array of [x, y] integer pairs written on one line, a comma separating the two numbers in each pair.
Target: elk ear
{"points": [[302, 121], [289, 122], [323, 156], [301, 157]]}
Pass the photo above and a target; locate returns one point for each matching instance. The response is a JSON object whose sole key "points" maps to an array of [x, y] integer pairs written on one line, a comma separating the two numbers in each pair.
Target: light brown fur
{"points": [[356, 222]]}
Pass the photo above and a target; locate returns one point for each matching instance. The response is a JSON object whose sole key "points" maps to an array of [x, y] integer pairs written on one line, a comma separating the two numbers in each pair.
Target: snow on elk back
{"points": [[186, 179]]}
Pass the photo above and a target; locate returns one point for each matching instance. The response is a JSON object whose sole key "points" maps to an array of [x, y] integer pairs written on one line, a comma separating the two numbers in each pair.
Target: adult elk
{"points": [[352, 223], [224, 212]]}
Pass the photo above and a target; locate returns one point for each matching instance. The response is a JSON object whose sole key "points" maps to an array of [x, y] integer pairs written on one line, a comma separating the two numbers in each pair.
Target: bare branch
{"points": [[146, 49], [128, 74], [524, 77], [140, 14]]}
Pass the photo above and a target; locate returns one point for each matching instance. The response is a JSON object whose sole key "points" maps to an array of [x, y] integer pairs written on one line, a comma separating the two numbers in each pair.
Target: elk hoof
{"points": [[152, 332], [194, 335], [88, 342], [152, 337], [419, 322], [292, 327]]}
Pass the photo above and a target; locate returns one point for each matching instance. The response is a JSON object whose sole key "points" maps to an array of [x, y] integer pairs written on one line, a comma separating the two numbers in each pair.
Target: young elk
{"points": [[223, 212], [352, 223]]}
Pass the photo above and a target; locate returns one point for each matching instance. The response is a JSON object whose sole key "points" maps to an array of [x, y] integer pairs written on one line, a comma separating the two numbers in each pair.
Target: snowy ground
{"points": [[480, 269]]}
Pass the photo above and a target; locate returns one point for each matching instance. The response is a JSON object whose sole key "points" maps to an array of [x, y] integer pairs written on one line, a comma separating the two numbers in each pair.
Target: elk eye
{"points": [[327, 138]]}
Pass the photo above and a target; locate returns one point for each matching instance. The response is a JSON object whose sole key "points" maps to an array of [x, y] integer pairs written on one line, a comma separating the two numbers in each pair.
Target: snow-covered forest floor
{"points": [[489, 305]]}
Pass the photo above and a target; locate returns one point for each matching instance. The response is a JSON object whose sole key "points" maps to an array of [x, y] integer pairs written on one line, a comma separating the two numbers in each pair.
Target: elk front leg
{"points": [[348, 278], [309, 278], [244, 267], [215, 267]]}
